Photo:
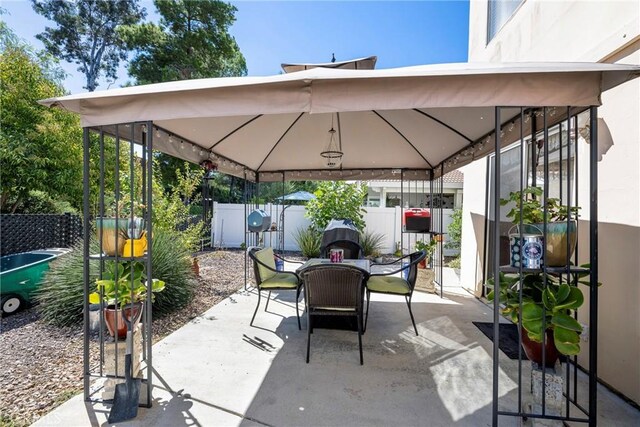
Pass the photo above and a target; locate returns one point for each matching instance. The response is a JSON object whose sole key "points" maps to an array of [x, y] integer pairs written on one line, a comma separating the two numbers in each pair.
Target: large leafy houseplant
{"points": [[543, 308], [429, 247]]}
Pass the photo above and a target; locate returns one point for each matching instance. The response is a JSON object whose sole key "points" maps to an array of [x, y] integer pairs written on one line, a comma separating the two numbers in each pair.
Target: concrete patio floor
{"points": [[218, 370]]}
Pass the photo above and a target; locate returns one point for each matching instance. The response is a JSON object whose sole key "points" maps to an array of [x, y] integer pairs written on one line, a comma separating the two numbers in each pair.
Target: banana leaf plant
{"points": [[130, 286], [542, 308]]}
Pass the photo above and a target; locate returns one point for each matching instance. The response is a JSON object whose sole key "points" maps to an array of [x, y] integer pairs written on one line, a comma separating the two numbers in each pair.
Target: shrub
{"points": [[371, 242], [61, 292], [39, 202], [337, 200], [455, 230], [171, 263], [455, 263], [309, 241]]}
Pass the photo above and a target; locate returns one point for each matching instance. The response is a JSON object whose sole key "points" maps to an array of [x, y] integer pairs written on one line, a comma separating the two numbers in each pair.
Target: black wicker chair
{"points": [[270, 279], [388, 283], [352, 250], [335, 290]]}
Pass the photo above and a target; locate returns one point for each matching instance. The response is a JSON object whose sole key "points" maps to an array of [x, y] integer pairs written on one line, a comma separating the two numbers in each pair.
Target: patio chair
{"points": [[333, 290], [270, 279], [352, 250], [389, 283]]}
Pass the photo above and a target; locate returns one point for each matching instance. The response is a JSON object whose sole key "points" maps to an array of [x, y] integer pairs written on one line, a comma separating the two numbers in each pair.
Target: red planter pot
{"points": [[114, 318], [533, 349]]}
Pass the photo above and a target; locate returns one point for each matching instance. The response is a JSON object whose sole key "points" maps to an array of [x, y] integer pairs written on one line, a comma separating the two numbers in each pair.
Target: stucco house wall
{"points": [[573, 31]]}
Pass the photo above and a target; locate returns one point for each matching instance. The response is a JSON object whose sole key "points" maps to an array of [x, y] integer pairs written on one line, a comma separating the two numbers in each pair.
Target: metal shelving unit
{"points": [[101, 377]]}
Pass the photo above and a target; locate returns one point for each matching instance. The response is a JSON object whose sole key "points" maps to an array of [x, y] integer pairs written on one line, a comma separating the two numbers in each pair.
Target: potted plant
{"points": [[547, 310], [130, 291], [398, 251], [428, 247], [376, 256], [560, 232]]}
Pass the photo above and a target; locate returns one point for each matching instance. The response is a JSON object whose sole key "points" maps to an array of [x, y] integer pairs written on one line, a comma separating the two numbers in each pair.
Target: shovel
{"points": [[127, 394]]}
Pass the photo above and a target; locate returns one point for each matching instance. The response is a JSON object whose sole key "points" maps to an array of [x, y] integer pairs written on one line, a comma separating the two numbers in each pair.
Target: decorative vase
{"points": [[558, 234], [114, 318], [108, 229], [533, 349]]}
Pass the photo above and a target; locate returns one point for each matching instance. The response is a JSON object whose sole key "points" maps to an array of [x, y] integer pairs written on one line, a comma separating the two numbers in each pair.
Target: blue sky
{"points": [[270, 33]]}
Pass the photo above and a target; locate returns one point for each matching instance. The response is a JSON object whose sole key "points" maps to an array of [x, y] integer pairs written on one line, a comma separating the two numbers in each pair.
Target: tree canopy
{"points": [[337, 200], [40, 148], [191, 41], [85, 34]]}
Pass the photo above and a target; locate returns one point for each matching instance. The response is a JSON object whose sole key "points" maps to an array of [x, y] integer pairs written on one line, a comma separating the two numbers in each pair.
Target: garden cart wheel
{"points": [[10, 304]]}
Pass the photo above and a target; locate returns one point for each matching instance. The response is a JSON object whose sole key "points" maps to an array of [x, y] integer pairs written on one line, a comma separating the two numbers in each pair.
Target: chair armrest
{"points": [[288, 260], [270, 268], [391, 262]]}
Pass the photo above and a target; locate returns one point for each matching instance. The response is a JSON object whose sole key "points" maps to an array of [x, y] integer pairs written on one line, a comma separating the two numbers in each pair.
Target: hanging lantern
{"points": [[332, 153]]}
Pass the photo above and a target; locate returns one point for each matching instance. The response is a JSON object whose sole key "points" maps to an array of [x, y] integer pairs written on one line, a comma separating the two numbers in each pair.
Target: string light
{"points": [[193, 148]]}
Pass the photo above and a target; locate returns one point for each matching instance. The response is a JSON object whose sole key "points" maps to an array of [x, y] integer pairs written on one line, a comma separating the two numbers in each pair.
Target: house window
{"points": [[498, 14], [561, 168]]}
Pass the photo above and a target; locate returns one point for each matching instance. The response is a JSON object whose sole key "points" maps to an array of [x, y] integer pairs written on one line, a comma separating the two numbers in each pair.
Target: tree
{"points": [[191, 41], [86, 33], [337, 200], [40, 148]]}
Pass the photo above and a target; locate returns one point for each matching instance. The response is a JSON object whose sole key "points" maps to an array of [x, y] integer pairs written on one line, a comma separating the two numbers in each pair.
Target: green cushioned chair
{"points": [[270, 279], [388, 283]]}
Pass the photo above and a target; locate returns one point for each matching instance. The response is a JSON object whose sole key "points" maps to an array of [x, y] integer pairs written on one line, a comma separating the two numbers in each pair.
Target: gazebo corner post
{"points": [[441, 227], [593, 257], [86, 264], [402, 212], [244, 230], [496, 271], [149, 318]]}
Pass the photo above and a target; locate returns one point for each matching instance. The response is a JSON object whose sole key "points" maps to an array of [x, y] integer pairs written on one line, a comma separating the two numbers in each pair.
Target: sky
{"points": [[270, 33]]}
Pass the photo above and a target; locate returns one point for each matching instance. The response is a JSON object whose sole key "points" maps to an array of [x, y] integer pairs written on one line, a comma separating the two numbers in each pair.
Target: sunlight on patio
{"points": [[464, 382]]}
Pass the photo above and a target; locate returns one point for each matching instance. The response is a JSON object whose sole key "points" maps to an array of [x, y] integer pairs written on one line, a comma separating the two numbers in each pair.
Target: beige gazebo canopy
{"points": [[419, 119]]}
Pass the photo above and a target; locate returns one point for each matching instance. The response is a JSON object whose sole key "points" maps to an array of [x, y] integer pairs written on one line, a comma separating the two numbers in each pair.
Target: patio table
{"points": [[364, 264]]}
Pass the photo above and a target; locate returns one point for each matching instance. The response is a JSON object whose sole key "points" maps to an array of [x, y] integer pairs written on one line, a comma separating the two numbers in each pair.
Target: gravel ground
{"points": [[41, 365]]}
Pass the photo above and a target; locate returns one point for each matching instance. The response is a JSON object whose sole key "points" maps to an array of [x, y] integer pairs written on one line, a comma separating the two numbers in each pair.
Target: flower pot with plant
{"points": [[560, 232], [129, 291], [429, 247], [544, 310]]}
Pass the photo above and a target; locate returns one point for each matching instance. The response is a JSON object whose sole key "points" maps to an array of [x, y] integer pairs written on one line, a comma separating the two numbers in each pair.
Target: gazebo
{"points": [[414, 123]]}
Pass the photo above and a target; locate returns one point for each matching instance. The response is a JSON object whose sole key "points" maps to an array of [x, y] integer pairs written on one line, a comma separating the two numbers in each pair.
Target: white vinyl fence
{"points": [[228, 226]]}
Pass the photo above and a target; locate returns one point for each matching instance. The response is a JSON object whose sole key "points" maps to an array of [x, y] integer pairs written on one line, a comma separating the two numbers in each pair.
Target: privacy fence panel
{"points": [[28, 232]]}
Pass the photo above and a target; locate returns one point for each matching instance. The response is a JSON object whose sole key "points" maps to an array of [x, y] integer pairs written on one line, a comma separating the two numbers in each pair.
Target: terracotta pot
{"points": [[195, 267], [113, 318], [533, 349], [423, 263]]}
